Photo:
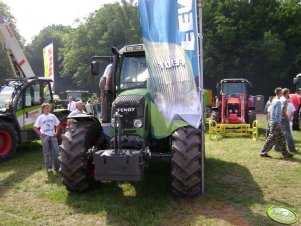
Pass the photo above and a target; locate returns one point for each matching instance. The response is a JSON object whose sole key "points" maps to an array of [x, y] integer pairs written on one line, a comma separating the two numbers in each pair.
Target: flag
{"points": [[170, 37], [48, 63]]}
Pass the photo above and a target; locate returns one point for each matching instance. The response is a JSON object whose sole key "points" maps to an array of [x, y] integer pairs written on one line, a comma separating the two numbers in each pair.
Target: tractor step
{"points": [[127, 166]]}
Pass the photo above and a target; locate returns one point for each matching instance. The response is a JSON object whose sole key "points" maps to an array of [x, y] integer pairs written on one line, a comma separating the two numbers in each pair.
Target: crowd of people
{"points": [[280, 111]]}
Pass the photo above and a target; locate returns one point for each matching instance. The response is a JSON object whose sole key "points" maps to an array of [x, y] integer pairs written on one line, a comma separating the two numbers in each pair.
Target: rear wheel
{"points": [[186, 162], [8, 141], [76, 169]]}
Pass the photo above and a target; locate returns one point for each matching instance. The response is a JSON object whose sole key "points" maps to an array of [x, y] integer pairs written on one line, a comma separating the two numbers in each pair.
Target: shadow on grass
{"points": [[230, 192], [22, 165]]}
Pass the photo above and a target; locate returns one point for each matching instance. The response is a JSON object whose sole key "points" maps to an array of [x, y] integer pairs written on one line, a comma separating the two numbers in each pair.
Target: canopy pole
{"points": [[201, 90]]}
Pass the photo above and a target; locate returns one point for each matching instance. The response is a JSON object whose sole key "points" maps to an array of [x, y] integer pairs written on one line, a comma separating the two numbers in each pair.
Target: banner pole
{"points": [[201, 90]]}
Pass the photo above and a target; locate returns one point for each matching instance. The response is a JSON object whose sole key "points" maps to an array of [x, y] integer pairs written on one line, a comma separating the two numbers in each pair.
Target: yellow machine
{"points": [[224, 129]]}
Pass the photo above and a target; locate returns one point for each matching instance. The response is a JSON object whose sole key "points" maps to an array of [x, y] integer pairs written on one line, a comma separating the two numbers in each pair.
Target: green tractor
{"points": [[137, 134]]}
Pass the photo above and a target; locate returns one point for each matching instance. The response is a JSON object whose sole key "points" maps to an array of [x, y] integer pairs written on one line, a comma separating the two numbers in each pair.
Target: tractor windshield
{"points": [[234, 88], [6, 95], [134, 73]]}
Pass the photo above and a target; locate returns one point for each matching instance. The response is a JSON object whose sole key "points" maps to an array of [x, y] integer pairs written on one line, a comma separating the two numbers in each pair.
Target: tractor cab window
{"points": [[234, 89], [46, 93], [6, 96], [33, 95], [20, 102], [134, 73]]}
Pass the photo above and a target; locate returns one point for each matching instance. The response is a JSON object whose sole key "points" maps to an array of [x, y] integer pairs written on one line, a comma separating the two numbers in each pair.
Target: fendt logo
{"points": [[125, 109]]}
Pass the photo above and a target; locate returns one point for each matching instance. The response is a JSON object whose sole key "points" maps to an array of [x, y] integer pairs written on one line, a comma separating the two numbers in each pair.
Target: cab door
{"points": [[29, 108]]}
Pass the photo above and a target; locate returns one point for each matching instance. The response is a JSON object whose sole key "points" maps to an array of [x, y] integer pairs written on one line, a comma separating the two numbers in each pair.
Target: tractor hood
{"points": [[140, 92]]}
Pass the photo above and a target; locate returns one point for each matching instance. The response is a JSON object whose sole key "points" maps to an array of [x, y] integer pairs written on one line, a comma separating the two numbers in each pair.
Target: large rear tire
{"points": [[8, 141], [77, 169], [186, 162]]}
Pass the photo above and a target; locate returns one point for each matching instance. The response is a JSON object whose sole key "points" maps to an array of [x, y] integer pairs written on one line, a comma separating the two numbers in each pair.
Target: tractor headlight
{"points": [[236, 110], [138, 123], [230, 111]]}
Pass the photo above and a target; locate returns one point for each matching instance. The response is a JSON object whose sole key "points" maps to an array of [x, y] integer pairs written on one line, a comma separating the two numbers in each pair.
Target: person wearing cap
{"points": [[47, 126]]}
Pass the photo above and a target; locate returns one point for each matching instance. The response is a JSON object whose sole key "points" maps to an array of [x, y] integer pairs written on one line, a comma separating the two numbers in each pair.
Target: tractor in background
{"points": [[234, 111], [296, 101], [21, 98]]}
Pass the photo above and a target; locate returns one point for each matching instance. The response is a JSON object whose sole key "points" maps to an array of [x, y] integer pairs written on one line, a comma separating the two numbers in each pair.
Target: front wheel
{"points": [[186, 162], [216, 115], [8, 141], [77, 169]]}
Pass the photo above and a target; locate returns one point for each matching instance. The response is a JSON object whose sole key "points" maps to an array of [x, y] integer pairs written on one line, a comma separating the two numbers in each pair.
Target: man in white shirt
{"points": [[46, 127], [89, 108], [71, 105], [78, 111]]}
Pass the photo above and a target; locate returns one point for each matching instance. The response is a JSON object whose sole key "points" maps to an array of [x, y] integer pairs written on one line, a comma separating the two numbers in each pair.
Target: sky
{"points": [[34, 15]]}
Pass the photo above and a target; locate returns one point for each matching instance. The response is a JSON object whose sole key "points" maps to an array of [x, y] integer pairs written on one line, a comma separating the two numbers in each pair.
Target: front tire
{"points": [[76, 166], [186, 162], [8, 141], [216, 115]]}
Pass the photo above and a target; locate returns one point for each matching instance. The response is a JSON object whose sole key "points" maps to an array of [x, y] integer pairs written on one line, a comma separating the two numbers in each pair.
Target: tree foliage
{"points": [[112, 25], [52, 34], [253, 39], [257, 40]]}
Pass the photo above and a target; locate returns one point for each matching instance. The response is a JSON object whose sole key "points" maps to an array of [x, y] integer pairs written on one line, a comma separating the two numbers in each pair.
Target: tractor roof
{"points": [[234, 80], [132, 49]]}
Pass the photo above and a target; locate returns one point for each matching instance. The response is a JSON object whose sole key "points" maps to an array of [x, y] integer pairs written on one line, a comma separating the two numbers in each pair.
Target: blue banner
{"points": [[170, 36], [172, 21]]}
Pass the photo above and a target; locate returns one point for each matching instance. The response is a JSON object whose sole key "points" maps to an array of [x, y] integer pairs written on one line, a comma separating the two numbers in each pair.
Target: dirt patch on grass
{"points": [[199, 212]]}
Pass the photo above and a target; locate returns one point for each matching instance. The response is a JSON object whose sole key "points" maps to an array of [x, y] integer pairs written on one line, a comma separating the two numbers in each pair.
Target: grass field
{"points": [[239, 187]]}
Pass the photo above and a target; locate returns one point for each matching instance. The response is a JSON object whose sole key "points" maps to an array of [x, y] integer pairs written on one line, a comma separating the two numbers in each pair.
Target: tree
{"points": [[51, 34], [257, 40], [112, 25]]}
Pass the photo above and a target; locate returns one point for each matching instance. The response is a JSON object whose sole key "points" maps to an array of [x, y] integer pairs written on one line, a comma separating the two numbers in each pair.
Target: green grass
{"points": [[239, 187]]}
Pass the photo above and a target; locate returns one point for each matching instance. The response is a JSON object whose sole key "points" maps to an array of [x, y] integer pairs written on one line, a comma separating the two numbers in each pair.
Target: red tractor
{"points": [[296, 101], [234, 112]]}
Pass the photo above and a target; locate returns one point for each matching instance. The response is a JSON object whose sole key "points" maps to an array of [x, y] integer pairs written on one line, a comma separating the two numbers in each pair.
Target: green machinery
{"points": [[137, 134]]}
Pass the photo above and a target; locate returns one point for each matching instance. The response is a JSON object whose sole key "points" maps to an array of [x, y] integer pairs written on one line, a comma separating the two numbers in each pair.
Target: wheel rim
{"points": [[5, 142]]}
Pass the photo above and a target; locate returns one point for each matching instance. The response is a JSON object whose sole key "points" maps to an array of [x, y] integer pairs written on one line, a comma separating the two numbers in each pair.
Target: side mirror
{"points": [[297, 81], [95, 67]]}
